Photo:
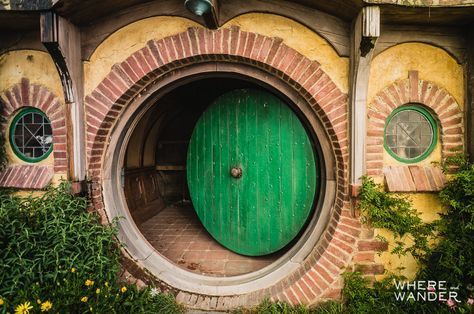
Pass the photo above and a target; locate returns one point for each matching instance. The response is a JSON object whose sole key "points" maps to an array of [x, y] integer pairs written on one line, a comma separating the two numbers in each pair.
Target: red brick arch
{"points": [[25, 94], [413, 90], [319, 275]]}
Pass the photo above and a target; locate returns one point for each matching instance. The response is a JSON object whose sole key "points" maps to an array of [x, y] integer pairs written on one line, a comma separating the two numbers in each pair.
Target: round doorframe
{"points": [[138, 247]]}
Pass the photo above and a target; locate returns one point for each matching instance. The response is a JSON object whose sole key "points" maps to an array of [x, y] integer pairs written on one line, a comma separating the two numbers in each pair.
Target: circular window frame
{"points": [[431, 120], [11, 131]]}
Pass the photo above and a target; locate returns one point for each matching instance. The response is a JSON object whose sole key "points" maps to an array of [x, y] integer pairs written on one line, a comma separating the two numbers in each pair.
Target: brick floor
{"points": [[177, 234]]}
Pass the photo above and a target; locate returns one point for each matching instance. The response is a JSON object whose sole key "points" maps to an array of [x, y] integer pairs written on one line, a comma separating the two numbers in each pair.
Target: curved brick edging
{"points": [[412, 90], [25, 94], [319, 275]]}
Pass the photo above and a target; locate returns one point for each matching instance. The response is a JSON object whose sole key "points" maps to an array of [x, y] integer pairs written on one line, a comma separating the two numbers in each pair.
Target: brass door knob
{"points": [[236, 172]]}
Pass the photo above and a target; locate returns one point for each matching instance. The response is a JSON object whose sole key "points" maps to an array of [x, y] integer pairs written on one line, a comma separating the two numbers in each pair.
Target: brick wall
{"points": [[24, 95], [436, 99], [319, 276]]}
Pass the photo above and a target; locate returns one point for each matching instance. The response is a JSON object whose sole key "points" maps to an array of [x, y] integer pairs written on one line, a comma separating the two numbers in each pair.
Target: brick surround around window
{"points": [[25, 94], [436, 99]]}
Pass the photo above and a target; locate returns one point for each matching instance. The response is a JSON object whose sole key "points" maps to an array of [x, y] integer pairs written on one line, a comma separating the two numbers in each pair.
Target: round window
{"points": [[410, 134], [31, 135]]}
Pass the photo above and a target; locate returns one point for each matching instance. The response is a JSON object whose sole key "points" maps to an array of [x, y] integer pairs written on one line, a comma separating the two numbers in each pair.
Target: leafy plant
{"points": [[452, 259], [53, 254], [268, 307], [3, 155], [395, 213]]}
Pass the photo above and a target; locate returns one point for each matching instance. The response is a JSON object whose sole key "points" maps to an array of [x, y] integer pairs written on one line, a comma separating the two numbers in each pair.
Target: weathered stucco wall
{"points": [[122, 43], [300, 38], [39, 68], [429, 206], [119, 45], [434, 65]]}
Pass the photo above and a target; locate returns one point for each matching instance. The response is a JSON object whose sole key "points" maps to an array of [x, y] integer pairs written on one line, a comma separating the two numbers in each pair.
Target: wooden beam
{"points": [[63, 42], [424, 3], [331, 28], [451, 39], [22, 5], [212, 18], [366, 30]]}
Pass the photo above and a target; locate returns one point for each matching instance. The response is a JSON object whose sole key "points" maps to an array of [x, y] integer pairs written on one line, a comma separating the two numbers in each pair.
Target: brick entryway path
{"points": [[177, 234]]}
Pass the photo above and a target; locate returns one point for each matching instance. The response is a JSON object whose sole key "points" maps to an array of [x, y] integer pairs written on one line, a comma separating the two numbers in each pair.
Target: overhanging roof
{"points": [[23, 15]]}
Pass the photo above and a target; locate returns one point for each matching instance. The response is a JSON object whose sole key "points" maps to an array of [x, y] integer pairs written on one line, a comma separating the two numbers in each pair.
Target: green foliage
{"points": [[395, 213], [452, 259], [52, 250], [3, 155], [360, 296], [267, 307]]}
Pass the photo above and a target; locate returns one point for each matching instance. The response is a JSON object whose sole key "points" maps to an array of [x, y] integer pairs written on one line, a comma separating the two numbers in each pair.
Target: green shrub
{"points": [[362, 297], [396, 214], [267, 307], [3, 155], [52, 250], [452, 259]]}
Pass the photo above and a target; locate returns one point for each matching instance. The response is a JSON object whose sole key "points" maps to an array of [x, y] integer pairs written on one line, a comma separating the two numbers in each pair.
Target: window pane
{"points": [[409, 134], [32, 135]]}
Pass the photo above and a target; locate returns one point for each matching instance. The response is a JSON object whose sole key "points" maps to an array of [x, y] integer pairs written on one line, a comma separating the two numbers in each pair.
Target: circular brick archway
{"points": [[318, 273]]}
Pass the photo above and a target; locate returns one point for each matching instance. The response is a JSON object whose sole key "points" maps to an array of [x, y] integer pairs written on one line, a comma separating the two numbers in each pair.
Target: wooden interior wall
{"points": [[155, 163]]}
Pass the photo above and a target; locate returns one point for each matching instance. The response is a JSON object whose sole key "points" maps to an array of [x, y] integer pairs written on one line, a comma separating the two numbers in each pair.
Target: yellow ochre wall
{"points": [[122, 43], [435, 65], [39, 68]]}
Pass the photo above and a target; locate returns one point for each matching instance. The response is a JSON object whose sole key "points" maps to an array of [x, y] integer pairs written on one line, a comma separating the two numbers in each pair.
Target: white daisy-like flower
{"points": [[154, 291]]}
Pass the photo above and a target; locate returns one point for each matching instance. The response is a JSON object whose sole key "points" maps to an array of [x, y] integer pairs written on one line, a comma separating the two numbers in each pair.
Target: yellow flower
{"points": [[73, 270], [23, 308], [123, 289], [38, 301], [84, 299], [89, 283], [46, 306], [1, 301], [106, 284], [97, 291]]}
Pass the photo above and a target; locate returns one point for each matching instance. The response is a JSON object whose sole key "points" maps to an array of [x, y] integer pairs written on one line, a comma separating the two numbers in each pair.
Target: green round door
{"points": [[251, 172]]}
